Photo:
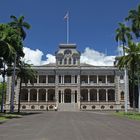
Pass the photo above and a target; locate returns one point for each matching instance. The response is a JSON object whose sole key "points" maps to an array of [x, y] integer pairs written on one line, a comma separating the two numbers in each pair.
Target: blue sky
{"points": [[92, 22]]}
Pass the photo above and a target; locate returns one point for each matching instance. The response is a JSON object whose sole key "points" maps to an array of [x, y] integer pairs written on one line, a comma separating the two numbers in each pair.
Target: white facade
{"points": [[71, 85]]}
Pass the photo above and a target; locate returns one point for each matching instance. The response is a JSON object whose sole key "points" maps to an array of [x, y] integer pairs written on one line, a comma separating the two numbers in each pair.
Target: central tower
{"points": [[67, 56]]}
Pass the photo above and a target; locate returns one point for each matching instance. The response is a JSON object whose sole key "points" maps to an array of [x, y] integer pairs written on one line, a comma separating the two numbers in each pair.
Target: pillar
{"points": [[106, 79], [88, 95], [46, 79], [88, 79], [97, 95], [46, 95], [37, 95], [28, 95], [106, 95], [97, 79]]}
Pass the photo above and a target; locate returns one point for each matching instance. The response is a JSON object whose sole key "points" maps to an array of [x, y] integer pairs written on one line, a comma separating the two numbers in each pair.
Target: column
{"points": [[28, 95], [106, 79], [97, 79], [37, 95], [61, 97], [46, 79], [97, 95], [46, 95], [74, 97], [37, 79], [88, 95], [88, 79], [106, 95]]}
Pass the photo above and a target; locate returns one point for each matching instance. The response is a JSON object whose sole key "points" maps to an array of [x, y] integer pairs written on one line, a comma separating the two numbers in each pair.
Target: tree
{"points": [[25, 73], [123, 35], [19, 25], [130, 60], [134, 17], [10, 43]]}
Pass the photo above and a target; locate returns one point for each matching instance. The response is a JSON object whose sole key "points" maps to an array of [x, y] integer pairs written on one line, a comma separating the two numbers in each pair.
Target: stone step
{"points": [[68, 107]]}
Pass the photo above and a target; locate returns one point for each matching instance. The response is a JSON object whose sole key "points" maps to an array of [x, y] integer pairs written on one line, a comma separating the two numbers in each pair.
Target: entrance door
{"points": [[67, 97]]}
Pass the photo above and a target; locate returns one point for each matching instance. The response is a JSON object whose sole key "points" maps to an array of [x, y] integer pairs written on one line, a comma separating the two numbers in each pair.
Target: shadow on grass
{"points": [[26, 113]]}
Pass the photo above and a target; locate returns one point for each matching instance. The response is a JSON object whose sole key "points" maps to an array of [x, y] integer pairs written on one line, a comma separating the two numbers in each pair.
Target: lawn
{"points": [[130, 115], [4, 117]]}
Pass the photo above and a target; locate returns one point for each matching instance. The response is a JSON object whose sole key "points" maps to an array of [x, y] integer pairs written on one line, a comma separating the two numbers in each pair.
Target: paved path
{"points": [[70, 126]]}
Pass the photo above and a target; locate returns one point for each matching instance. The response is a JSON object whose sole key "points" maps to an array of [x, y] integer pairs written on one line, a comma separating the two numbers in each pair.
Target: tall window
{"points": [[75, 78], [60, 61], [122, 95], [74, 61], [65, 61], [69, 60], [59, 79]]}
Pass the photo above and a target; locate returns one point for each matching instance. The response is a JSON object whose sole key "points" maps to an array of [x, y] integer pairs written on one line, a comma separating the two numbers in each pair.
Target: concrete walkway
{"points": [[70, 126]]}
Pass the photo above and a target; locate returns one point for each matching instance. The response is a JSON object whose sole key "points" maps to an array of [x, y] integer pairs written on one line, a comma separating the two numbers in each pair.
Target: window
{"points": [[122, 95], [69, 60], [42, 78], [59, 79], [51, 78], [74, 61], [67, 79], [60, 61], [75, 78], [65, 61]]}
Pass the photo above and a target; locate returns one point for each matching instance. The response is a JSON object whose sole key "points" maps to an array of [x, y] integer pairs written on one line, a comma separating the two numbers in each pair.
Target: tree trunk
{"points": [[2, 93], [133, 88], [19, 96], [139, 94]]}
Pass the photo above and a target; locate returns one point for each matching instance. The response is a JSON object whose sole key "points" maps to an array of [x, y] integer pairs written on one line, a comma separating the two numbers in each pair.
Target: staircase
{"points": [[68, 107]]}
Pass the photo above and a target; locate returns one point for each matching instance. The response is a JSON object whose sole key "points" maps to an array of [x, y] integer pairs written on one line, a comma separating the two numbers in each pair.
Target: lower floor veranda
{"points": [[68, 95]]}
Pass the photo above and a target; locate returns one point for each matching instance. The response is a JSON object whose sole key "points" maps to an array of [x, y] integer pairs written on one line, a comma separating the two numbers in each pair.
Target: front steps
{"points": [[68, 107]]}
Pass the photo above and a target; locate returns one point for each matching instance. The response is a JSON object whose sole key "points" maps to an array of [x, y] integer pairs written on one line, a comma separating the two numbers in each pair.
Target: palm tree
{"points": [[10, 43], [131, 62], [134, 16], [19, 25], [123, 35], [25, 73]]}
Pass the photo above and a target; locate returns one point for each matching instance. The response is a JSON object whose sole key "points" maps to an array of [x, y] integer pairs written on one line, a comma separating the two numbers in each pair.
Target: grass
{"points": [[129, 115], [7, 116]]}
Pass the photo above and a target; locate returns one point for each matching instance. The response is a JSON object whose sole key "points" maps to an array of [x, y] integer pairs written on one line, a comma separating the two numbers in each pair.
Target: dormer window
{"points": [[74, 61], [69, 60], [67, 52], [65, 61], [60, 61]]}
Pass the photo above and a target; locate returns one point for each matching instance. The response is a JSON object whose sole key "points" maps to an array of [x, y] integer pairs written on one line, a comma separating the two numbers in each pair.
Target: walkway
{"points": [[70, 126]]}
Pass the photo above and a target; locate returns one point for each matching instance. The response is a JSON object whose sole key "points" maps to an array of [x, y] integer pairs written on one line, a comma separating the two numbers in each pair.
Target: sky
{"points": [[92, 27]]}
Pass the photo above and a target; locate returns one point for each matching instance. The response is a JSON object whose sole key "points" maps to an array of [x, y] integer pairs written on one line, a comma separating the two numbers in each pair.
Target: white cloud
{"points": [[90, 56], [35, 57]]}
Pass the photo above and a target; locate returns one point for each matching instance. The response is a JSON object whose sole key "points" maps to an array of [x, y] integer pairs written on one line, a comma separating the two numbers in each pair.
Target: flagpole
{"points": [[68, 29]]}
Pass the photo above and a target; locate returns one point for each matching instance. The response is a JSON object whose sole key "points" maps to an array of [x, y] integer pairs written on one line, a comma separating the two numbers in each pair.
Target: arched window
{"points": [[69, 60], [74, 61], [122, 95], [65, 61], [60, 61]]}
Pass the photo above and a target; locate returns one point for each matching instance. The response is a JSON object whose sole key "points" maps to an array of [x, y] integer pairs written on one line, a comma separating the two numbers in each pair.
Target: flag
{"points": [[66, 16]]}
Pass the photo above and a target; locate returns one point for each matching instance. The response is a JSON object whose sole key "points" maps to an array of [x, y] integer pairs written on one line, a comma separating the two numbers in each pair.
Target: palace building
{"points": [[69, 85]]}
